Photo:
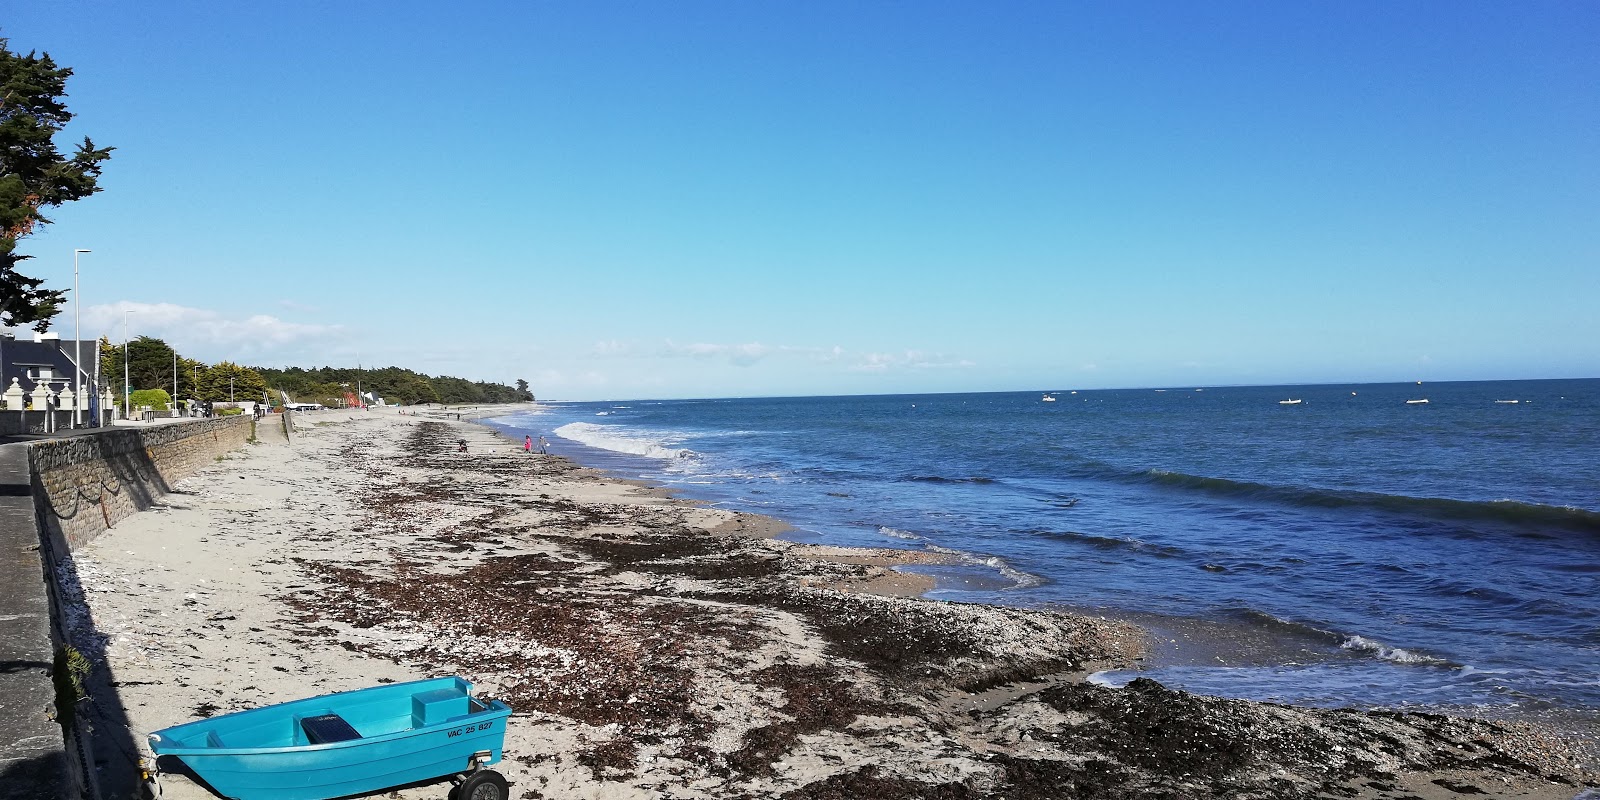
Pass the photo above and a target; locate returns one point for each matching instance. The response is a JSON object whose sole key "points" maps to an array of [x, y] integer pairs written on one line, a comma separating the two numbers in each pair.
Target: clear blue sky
{"points": [[617, 200]]}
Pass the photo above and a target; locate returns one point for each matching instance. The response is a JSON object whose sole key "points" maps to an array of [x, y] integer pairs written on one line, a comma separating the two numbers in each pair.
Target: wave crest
{"points": [[609, 437], [1379, 650], [1506, 511]]}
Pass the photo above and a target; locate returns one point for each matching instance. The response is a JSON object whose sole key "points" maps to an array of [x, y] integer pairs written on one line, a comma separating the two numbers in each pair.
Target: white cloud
{"points": [[204, 334], [611, 348], [749, 353], [742, 355], [910, 359]]}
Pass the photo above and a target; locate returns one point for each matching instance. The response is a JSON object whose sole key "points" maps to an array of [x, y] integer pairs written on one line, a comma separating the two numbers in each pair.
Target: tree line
{"points": [[153, 364], [393, 384]]}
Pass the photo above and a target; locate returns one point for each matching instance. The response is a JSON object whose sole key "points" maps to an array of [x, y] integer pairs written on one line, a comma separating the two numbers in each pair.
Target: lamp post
{"points": [[77, 344], [126, 388]]}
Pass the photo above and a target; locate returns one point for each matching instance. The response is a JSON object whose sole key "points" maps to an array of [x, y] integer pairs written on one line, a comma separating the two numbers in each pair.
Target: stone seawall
{"points": [[86, 484]]}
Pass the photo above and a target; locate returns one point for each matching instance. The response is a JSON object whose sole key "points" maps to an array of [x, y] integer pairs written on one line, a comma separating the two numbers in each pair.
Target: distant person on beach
{"points": [[463, 445], [527, 444], [542, 445]]}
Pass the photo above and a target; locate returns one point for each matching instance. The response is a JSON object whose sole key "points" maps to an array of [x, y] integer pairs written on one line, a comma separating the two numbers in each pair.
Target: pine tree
{"points": [[34, 175]]}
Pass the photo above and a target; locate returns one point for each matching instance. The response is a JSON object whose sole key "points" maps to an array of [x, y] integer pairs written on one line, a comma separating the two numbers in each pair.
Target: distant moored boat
{"points": [[1290, 402], [1416, 402]]}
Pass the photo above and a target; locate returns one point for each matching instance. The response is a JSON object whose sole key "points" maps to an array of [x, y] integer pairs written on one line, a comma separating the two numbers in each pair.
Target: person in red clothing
{"points": [[527, 444]]}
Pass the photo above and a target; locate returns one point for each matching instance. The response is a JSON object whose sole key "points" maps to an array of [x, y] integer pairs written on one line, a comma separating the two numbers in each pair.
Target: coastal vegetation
{"points": [[154, 364], [35, 176], [396, 385], [157, 399]]}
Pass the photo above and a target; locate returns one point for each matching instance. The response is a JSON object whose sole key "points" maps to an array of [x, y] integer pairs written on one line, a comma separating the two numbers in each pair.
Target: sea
{"points": [[1327, 545]]}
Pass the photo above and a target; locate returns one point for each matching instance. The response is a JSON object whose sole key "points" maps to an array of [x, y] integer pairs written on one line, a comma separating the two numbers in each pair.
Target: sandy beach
{"points": [[652, 647]]}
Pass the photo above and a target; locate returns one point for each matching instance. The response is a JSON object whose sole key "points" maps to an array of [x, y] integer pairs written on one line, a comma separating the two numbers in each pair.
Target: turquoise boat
{"points": [[347, 743]]}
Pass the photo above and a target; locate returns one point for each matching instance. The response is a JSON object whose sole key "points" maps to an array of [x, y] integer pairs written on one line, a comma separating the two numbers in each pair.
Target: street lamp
{"points": [[126, 387], [77, 344]]}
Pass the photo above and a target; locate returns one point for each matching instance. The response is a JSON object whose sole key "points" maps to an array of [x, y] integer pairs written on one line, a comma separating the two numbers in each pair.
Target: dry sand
{"points": [[656, 648]]}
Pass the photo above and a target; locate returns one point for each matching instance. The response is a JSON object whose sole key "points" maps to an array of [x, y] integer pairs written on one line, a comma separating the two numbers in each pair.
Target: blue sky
{"points": [[619, 200]]}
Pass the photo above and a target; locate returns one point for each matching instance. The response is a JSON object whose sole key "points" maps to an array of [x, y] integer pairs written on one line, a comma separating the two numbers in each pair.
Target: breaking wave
{"points": [[1018, 578], [1362, 644], [609, 437]]}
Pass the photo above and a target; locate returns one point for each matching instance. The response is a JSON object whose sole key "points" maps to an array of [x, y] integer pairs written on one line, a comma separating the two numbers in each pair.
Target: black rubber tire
{"points": [[485, 784]]}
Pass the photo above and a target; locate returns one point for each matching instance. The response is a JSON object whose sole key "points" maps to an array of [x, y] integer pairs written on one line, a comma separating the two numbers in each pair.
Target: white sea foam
{"points": [[1380, 650], [617, 440], [1018, 578], [1023, 580], [1114, 678], [523, 417], [900, 534]]}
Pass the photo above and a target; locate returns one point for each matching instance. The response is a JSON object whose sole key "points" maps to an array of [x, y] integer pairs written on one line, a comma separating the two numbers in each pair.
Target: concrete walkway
{"points": [[33, 762]]}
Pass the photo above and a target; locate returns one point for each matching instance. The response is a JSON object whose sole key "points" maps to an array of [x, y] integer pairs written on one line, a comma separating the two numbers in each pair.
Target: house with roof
{"points": [[45, 358]]}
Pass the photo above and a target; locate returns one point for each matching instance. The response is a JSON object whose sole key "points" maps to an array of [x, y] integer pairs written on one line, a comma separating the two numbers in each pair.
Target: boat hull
{"points": [[407, 733]]}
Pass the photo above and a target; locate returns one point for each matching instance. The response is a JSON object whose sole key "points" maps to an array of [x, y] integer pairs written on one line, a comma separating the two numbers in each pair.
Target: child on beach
{"points": [[527, 444]]}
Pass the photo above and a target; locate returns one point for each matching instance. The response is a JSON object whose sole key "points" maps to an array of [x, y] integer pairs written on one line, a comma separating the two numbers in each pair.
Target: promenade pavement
{"points": [[33, 762]]}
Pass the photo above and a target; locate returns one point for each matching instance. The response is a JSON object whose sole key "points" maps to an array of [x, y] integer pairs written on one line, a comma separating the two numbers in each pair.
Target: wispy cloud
{"points": [[910, 359], [750, 353], [206, 334], [743, 355]]}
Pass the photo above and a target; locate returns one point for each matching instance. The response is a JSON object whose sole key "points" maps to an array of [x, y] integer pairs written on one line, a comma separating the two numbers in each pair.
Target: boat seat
{"points": [[327, 728]]}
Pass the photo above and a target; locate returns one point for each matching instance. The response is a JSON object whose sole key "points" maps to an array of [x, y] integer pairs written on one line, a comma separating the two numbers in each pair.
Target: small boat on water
{"points": [[347, 743], [1416, 402], [1290, 402], [1509, 402], [1048, 399]]}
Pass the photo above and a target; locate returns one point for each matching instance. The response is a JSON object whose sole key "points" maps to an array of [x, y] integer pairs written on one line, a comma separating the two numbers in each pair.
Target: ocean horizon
{"points": [[1320, 544]]}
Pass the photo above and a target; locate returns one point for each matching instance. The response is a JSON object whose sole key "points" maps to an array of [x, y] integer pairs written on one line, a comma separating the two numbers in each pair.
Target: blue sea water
{"points": [[1350, 549]]}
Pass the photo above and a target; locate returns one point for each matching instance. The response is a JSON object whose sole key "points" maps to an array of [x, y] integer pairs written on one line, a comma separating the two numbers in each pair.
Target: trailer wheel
{"points": [[484, 784]]}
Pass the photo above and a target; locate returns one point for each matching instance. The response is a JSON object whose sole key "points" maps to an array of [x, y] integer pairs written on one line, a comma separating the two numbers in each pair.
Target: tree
{"points": [[189, 372], [522, 386], [149, 363], [34, 175], [157, 399], [226, 381]]}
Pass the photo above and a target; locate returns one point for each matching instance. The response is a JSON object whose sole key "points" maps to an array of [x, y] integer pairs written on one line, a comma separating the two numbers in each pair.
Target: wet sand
{"points": [[654, 647]]}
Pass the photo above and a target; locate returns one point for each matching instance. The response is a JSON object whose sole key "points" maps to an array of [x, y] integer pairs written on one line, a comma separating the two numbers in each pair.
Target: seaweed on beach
{"points": [[919, 643], [1157, 742], [601, 660], [613, 759], [704, 557], [817, 698], [871, 782]]}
